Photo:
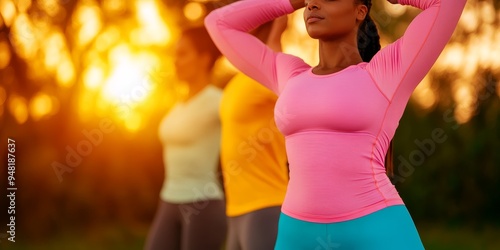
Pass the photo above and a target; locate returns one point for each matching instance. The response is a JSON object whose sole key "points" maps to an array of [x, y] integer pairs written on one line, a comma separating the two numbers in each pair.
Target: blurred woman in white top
{"points": [[191, 211]]}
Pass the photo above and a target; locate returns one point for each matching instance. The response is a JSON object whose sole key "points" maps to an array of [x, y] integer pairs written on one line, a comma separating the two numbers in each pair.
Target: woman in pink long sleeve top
{"points": [[339, 117]]}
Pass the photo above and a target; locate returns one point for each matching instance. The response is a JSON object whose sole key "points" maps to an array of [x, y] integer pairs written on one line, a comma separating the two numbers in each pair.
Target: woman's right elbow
{"points": [[211, 20]]}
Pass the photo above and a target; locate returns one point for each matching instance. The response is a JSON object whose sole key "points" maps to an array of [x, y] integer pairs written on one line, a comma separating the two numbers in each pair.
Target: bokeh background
{"points": [[84, 84]]}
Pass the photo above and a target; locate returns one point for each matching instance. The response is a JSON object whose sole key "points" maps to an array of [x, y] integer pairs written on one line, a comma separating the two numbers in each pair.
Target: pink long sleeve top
{"points": [[337, 127]]}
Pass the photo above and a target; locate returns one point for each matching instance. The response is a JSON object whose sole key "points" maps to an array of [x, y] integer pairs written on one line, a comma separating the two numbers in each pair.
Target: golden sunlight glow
{"points": [[424, 94], [113, 6], [5, 55], [55, 105], [120, 50], [18, 108], [87, 22], [23, 37], [65, 73], [496, 50], [102, 108], [298, 24], [40, 106], [452, 58], [194, 11], [93, 76], [36, 69], [86, 105], [394, 10], [226, 64], [153, 29], [147, 12], [129, 80], [109, 37], [487, 12], [54, 46], [23, 5], [8, 11], [475, 53], [469, 21], [465, 98], [133, 122], [298, 42], [51, 7]]}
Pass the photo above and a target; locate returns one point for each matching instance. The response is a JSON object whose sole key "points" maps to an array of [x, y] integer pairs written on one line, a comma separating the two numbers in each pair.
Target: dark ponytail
{"points": [[368, 46], [368, 39]]}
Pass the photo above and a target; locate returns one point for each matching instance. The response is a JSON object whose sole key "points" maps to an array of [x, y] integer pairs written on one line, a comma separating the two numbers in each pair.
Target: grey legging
{"points": [[190, 226], [256, 230]]}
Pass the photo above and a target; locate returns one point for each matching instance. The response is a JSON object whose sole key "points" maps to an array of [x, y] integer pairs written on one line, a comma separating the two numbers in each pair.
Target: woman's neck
{"points": [[337, 54], [196, 85]]}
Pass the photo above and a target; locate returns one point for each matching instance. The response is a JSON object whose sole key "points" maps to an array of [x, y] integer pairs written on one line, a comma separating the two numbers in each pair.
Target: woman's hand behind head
{"points": [[279, 26], [297, 4]]}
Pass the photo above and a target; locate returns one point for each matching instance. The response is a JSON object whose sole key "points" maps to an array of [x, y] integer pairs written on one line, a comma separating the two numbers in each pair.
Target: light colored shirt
{"points": [[190, 134]]}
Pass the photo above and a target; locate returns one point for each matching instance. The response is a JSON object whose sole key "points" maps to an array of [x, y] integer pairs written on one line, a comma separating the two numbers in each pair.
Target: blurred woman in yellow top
{"points": [[253, 157]]}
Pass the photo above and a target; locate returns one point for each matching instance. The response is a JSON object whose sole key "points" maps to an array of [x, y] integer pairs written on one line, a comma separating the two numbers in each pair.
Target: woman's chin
{"points": [[315, 34]]}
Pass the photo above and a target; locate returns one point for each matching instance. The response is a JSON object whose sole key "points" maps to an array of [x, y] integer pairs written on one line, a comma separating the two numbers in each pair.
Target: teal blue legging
{"points": [[386, 229]]}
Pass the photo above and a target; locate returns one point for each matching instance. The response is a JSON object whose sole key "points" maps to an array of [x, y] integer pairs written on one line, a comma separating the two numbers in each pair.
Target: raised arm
{"points": [[398, 68], [274, 40], [229, 27]]}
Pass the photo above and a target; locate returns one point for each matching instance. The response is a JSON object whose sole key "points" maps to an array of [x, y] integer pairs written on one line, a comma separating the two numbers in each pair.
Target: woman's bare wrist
{"points": [[297, 4]]}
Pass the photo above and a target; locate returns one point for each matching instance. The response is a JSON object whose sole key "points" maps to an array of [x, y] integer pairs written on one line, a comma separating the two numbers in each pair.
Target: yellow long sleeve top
{"points": [[253, 152]]}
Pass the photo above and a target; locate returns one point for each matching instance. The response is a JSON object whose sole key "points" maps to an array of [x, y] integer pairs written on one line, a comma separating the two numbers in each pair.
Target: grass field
{"points": [[434, 237]]}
